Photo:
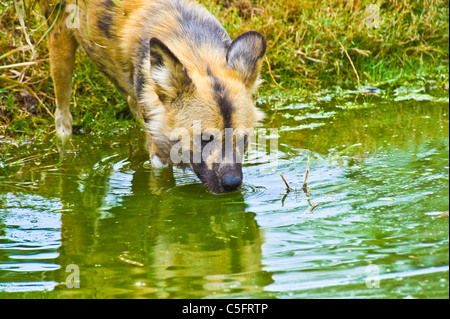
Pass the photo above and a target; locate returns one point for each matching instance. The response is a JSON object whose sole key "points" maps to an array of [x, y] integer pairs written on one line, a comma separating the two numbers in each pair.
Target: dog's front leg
{"points": [[156, 160], [62, 46]]}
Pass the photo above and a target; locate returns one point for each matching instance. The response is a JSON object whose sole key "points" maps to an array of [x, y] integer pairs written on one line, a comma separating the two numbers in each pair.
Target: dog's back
{"points": [[174, 63], [116, 37]]}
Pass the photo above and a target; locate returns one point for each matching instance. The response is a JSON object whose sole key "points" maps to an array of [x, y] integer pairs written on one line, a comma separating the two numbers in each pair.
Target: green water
{"points": [[379, 174]]}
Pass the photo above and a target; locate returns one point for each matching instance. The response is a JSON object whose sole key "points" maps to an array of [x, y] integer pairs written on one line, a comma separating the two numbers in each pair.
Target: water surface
{"points": [[368, 226]]}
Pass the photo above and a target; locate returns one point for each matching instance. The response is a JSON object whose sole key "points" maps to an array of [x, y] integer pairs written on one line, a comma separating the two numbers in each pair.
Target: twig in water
{"points": [[129, 261], [284, 180], [311, 208], [74, 148], [305, 182], [284, 198]]}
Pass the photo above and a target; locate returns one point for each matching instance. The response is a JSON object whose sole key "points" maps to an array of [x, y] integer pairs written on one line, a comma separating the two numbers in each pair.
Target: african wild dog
{"points": [[176, 66]]}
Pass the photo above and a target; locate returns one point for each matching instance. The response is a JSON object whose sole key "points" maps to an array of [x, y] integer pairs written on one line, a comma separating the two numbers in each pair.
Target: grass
{"points": [[315, 43], [311, 45]]}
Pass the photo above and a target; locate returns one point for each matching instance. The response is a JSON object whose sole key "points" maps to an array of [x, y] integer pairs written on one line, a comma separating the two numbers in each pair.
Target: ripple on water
{"points": [[30, 238]]}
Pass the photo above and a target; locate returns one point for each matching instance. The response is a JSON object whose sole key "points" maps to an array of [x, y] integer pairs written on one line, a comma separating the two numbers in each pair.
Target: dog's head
{"points": [[206, 106]]}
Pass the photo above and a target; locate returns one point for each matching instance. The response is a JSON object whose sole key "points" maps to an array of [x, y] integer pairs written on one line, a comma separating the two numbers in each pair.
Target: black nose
{"points": [[231, 183]]}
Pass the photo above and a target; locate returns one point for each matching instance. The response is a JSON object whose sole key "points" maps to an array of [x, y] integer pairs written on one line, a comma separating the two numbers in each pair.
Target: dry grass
{"points": [[23, 72], [322, 41], [311, 44]]}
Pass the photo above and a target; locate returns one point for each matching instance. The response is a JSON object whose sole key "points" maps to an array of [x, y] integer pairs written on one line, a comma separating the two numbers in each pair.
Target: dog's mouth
{"points": [[219, 180], [224, 185]]}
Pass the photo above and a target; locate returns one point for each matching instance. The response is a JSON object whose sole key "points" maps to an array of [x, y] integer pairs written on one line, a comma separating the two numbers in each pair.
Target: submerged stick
{"points": [[311, 208], [129, 261], [305, 182], [443, 215], [284, 198], [288, 189]]}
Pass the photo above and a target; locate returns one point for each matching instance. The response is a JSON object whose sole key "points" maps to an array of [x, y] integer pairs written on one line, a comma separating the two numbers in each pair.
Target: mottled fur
{"points": [[174, 63]]}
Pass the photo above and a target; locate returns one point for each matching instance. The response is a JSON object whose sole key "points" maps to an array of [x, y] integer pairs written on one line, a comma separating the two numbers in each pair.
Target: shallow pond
{"points": [[97, 222]]}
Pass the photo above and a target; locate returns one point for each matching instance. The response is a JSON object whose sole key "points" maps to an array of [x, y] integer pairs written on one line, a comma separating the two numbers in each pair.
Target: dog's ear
{"points": [[245, 55], [170, 76]]}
